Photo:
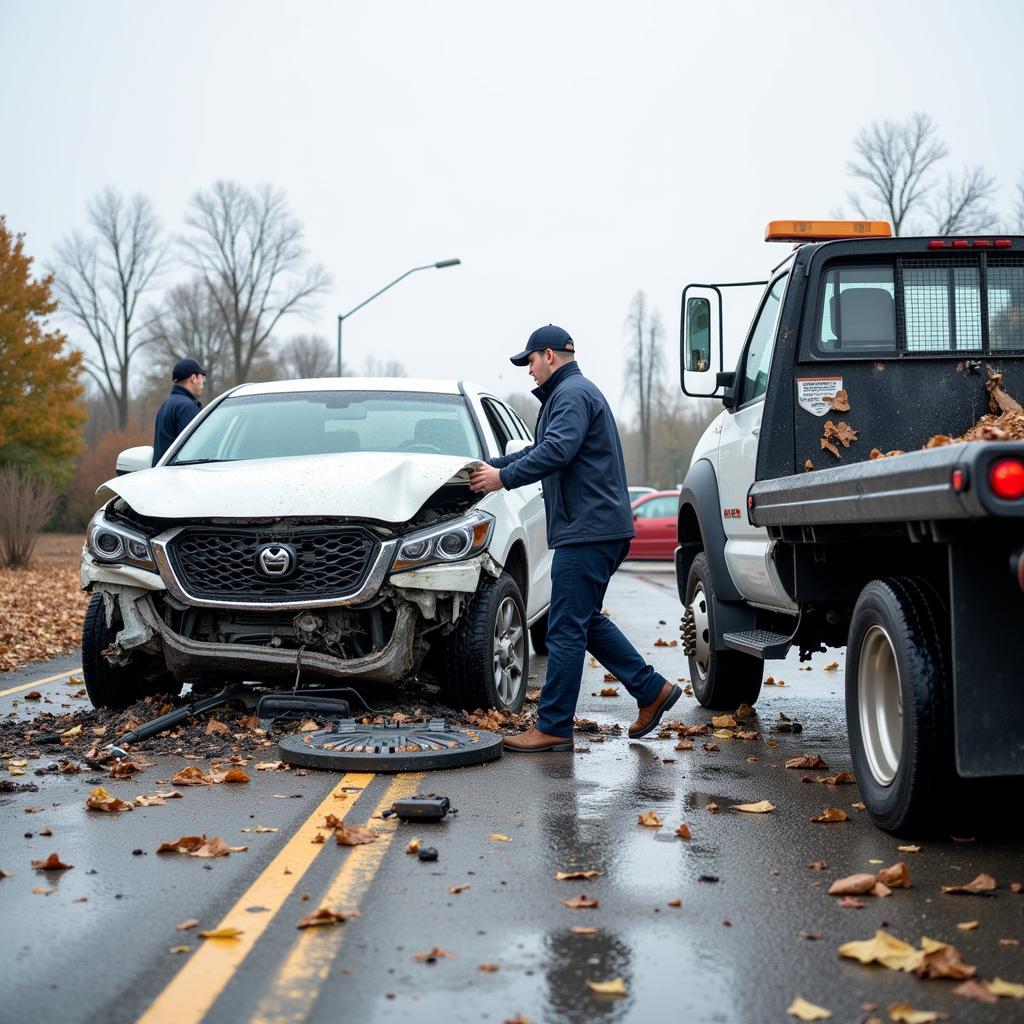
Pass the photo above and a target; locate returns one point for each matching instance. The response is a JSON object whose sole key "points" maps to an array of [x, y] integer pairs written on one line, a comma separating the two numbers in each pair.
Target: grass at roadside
{"points": [[42, 607]]}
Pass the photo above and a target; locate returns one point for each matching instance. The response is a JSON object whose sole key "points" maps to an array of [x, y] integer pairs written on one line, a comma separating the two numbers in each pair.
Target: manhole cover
{"points": [[352, 746]]}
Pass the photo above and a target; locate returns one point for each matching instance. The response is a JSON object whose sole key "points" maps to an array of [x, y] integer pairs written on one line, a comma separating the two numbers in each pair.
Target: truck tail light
{"points": [[1006, 478]]}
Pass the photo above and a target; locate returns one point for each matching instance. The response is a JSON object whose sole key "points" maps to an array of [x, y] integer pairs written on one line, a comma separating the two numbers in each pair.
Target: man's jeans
{"points": [[579, 579]]}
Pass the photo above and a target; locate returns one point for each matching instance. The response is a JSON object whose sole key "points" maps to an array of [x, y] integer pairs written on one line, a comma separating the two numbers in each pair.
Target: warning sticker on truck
{"points": [[815, 394]]}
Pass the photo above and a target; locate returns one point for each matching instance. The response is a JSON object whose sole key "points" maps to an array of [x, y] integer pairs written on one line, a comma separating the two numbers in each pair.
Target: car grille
{"points": [[221, 564]]}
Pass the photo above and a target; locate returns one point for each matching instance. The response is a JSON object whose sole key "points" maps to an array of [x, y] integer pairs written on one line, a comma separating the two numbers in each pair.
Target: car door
{"points": [[747, 546], [663, 527]]}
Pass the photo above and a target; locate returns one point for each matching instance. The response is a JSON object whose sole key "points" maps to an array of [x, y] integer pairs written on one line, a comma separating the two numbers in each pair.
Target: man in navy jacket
{"points": [[180, 407], [577, 456]]}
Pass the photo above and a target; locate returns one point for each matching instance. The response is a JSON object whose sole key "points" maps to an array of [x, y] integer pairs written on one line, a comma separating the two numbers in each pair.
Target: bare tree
{"points": [[247, 247], [645, 334], [306, 355], [527, 407], [188, 324], [26, 502], [1018, 205], [895, 159], [100, 279], [961, 206], [384, 368]]}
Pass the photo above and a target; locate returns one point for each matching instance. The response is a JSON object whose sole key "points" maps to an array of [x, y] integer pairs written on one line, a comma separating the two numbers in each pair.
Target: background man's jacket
{"points": [[180, 407], [577, 456]]}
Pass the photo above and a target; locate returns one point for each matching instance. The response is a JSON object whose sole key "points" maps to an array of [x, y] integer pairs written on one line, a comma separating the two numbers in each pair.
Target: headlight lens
{"points": [[453, 541], [112, 542]]}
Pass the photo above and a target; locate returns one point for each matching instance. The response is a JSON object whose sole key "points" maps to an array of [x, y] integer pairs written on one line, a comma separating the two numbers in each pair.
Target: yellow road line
{"points": [[193, 990], [297, 983], [40, 682]]}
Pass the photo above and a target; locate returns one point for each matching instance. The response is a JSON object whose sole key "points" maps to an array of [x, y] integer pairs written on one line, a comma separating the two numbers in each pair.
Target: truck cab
{"points": [[856, 490]]}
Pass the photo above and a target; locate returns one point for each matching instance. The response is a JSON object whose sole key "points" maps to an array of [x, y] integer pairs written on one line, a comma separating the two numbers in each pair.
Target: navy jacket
{"points": [[179, 409], [577, 455]]}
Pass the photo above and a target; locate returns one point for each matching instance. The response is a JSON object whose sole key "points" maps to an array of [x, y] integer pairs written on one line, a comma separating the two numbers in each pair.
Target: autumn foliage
{"points": [[95, 465], [41, 413]]}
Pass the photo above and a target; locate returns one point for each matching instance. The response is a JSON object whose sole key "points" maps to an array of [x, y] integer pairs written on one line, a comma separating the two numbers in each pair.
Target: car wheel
{"points": [[898, 695], [539, 635], [486, 659], [720, 679], [117, 686]]}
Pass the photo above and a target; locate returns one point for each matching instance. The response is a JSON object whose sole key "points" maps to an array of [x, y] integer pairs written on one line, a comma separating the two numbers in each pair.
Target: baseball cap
{"points": [[184, 368], [545, 337]]}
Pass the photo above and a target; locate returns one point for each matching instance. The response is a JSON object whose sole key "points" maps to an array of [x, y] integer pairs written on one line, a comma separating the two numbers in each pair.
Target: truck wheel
{"points": [[117, 686], [898, 713], [720, 679], [539, 635], [486, 659]]}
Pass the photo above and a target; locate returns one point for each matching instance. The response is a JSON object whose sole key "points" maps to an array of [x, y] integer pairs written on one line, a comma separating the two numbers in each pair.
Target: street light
{"points": [[440, 265]]}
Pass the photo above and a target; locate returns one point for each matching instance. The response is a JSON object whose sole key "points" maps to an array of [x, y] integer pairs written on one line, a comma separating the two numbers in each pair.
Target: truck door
{"points": [[746, 546]]}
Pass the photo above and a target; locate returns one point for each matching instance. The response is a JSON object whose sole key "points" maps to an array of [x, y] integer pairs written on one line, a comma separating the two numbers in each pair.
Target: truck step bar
{"points": [[761, 643]]}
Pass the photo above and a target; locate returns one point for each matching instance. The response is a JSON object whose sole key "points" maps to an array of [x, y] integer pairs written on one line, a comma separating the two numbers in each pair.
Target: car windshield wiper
{"points": [[199, 462]]}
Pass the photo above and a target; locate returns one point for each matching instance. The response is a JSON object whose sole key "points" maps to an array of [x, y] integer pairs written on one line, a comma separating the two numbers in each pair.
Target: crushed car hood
{"points": [[390, 487]]}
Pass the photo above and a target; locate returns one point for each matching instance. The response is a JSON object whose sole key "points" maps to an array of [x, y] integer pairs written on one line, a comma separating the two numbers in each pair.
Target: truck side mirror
{"points": [[700, 341]]}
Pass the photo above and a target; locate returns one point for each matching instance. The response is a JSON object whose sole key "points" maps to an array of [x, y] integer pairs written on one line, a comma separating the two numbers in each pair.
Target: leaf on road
{"points": [[615, 987], [487, 968], [832, 667], [1009, 989], [983, 883], [723, 722], [675, 902], [723, 734], [801, 1009], [840, 779], [44, 890], [325, 916], [456, 889], [684, 745], [830, 815], [273, 766], [345, 835], [499, 838], [180, 949], [221, 933], [683, 832], [186, 844], [189, 922], [308, 726], [852, 885], [744, 711], [260, 828], [610, 677], [967, 926], [233, 776], [51, 863], [414, 846], [649, 819], [126, 768], [609, 691], [216, 847], [100, 800], [217, 728], [193, 775], [568, 876], [904, 1013], [895, 877], [886, 950], [532, 696], [432, 956], [851, 903], [761, 807], [584, 930], [943, 961], [581, 902], [808, 761], [974, 989], [711, 748]]}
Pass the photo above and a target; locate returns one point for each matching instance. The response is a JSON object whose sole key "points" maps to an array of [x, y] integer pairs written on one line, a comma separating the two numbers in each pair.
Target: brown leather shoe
{"points": [[535, 741], [649, 717]]}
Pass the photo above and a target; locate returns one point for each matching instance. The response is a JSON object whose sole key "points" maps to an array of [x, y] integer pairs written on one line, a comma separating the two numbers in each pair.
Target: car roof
{"points": [[657, 494], [279, 387]]}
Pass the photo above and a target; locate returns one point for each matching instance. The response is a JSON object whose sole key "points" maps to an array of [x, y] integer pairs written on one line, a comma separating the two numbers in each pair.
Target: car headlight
{"points": [[453, 541], [112, 542]]}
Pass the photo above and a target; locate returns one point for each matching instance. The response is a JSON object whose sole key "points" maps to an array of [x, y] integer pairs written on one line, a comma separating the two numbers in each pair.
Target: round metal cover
{"points": [[351, 746]]}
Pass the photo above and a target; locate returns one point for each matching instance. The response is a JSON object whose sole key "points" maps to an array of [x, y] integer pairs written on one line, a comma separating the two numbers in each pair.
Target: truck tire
{"points": [[117, 686], [898, 712], [486, 660], [720, 679], [539, 635]]}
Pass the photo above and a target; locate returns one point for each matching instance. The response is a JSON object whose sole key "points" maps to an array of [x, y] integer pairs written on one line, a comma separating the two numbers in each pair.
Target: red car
{"points": [[655, 516]]}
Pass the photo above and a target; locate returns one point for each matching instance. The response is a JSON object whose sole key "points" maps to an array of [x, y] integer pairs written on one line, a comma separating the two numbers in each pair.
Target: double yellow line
{"points": [[194, 989], [40, 682]]}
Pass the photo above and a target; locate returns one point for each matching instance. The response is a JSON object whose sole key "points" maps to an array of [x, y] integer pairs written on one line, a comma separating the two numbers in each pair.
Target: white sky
{"points": [[568, 152]]}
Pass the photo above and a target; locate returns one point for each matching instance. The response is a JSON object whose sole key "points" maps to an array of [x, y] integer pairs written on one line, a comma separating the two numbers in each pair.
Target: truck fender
{"points": [[700, 529]]}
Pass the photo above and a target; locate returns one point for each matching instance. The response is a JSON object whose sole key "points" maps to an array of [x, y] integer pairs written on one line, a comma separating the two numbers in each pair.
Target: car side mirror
{"points": [[516, 444], [133, 459], [700, 341]]}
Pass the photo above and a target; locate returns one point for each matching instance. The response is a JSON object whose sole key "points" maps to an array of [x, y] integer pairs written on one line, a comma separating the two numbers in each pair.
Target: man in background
{"points": [[180, 407]]}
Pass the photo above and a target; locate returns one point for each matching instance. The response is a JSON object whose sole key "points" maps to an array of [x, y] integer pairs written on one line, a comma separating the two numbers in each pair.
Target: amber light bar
{"points": [[824, 230]]}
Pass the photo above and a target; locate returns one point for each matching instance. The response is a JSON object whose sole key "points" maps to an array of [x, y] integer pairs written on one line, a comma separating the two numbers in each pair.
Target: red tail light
{"points": [[1006, 478], [1002, 243]]}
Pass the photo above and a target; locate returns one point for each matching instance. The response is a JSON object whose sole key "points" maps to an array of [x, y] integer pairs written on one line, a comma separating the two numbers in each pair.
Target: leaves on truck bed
{"points": [[840, 402]]}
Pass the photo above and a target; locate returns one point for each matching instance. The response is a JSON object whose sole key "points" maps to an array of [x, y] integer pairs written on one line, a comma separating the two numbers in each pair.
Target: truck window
{"points": [[1005, 282], [942, 305], [859, 311], [758, 359]]}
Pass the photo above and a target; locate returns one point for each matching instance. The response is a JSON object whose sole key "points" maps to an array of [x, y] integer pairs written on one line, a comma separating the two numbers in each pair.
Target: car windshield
{"points": [[331, 422]]}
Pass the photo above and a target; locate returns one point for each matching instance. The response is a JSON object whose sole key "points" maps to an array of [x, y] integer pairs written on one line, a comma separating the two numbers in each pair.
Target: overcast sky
{"points": [[568, 152]]}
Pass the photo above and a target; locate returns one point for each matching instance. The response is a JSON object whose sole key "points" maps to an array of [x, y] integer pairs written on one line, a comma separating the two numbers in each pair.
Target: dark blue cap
{"points": [[545, 337], [184, 368]]}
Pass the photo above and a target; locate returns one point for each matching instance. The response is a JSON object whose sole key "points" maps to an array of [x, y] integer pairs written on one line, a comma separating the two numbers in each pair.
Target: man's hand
{"points": [[485, 479]]}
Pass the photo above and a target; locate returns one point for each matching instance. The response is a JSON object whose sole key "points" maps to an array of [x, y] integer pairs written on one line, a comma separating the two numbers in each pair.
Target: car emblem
{"points": [[275, 560]]}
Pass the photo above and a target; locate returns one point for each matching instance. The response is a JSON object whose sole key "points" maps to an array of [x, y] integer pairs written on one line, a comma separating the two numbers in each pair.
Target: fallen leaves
{"points": [[325, 916], [683, 832], [761, 807], [830, 815], [100, 800], [980, 885], [615, 987], [568, 876], [904, 1013], [200, 846], [193, 775], [581, 902], [188, 923], [487, 968], [51, 863], [886, 950], [649, 819], [456, 889], [814, 761], [432, 956], [584, 930], [221, 933], [832, 667], [353, 835], [498, 838], [801, 1009], [609, 691], [125, 768], [155, 799], [723, 722]]}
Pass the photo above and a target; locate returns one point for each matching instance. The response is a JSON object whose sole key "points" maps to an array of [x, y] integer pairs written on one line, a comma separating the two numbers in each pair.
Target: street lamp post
{"points": [[440, 265]]}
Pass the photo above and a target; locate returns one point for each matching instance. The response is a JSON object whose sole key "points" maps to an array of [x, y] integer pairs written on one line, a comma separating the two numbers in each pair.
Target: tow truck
{"points": [[864, 487]]}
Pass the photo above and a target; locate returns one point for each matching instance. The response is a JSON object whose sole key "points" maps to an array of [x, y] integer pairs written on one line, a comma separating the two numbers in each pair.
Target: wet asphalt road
{"points": [[737, 949]]}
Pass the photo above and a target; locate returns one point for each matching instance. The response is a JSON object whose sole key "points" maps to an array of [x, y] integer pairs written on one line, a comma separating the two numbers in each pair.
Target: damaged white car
{"points": [[320, 530]]}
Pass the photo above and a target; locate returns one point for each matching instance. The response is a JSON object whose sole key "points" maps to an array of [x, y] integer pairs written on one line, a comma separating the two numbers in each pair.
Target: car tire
{"points": [[539, 635], [720, 679], [486, 660], [117, 686], [898, 704]]}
